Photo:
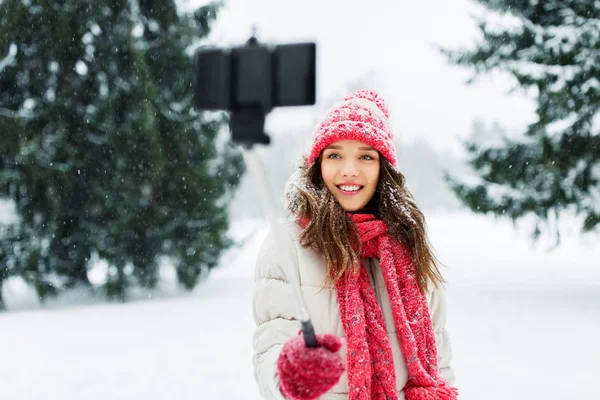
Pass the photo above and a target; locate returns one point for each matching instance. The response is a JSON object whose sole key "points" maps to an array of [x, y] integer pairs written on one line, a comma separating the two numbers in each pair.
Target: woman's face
{"points": [[350, 170]]}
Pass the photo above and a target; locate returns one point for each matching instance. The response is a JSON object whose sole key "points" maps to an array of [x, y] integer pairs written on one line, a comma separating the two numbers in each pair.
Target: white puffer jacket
{"points": [[275, 311]]}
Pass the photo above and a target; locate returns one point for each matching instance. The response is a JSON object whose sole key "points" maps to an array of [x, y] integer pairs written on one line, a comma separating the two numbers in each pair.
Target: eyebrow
{"points": [[337, 147]]}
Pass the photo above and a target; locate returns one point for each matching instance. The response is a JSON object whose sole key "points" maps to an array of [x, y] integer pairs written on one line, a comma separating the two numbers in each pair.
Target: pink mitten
{"points": [[307, 373]]}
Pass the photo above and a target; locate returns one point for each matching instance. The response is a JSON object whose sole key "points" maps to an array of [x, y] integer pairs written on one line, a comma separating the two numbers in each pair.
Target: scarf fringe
{"points": [[440, 392]]}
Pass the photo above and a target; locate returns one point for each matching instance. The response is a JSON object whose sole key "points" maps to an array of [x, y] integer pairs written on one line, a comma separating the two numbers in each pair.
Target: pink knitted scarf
{"points": [[370, 362]]}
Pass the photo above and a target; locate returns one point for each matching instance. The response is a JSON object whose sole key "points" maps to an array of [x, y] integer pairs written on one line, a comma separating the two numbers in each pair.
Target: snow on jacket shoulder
{"points": [[274, 310]]}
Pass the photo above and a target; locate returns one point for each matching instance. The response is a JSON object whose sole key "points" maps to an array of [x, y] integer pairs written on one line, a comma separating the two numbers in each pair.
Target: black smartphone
{"points": [[255, 77]]}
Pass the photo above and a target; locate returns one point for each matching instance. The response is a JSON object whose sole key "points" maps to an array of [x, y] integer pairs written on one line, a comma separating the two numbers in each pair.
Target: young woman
{"points": [[367, 274]]}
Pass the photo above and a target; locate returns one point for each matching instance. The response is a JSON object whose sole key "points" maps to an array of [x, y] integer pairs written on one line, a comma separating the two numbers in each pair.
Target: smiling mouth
{"points": [[350, 189]]}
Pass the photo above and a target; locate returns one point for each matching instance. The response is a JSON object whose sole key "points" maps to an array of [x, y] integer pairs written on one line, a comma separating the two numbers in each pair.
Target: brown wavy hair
{"points": [[331, 232]]}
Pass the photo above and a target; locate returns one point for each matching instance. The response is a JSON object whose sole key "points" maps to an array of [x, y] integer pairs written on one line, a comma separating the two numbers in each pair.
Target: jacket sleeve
{"points": [[274, 310], [438, 311]]}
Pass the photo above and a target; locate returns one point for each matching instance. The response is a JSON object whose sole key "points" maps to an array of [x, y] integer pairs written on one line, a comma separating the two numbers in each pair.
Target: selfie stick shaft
{"points": [[256, 169]]}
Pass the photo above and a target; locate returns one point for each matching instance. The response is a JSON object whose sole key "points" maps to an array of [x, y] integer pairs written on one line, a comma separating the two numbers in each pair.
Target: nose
{"points": [[349, 168]]}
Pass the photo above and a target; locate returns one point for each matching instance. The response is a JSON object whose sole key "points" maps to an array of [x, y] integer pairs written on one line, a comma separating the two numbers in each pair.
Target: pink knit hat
{"points": [[362, 116]]}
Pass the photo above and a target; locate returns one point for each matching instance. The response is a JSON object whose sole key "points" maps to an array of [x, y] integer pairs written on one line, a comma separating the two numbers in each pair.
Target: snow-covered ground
{"points": [[524, 321]]}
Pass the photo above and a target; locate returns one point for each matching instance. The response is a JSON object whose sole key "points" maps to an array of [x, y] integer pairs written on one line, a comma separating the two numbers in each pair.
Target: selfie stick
{"points": [[249, 81], [255, 166]]}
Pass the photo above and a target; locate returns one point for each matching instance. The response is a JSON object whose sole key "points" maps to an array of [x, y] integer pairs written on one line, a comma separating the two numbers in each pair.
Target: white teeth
{"points": [[350, 188]]}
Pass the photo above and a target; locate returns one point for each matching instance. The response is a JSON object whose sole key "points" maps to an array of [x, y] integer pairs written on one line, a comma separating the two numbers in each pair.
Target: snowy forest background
{"points": [[148, 294]]}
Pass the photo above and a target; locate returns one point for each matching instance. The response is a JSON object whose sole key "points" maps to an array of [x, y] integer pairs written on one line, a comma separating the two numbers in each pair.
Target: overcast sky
{"points": [[395, 40]]}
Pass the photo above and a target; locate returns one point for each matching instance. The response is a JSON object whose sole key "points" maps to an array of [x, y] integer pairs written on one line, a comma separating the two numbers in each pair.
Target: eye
{"points": [[333, 155], [367, 157]]}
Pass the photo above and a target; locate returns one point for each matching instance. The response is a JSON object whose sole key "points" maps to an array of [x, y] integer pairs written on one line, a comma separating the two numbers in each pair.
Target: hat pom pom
{"points": [[370, 96]]}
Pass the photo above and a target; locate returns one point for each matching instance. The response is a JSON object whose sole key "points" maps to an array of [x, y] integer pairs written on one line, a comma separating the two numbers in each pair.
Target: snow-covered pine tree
{"points": [[553, 48], [100, 147]]}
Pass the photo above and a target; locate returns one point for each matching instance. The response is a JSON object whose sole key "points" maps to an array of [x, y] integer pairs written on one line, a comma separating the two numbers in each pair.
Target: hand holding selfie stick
{"points": [[249, 81]]}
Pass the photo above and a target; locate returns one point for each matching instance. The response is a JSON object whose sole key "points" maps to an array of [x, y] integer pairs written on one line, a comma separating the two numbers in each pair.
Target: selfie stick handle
{"points": [[255, 166]]}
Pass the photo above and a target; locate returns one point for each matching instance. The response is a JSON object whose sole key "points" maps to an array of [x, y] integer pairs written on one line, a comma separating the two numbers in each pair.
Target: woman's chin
{"points": [[351, 207]]}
